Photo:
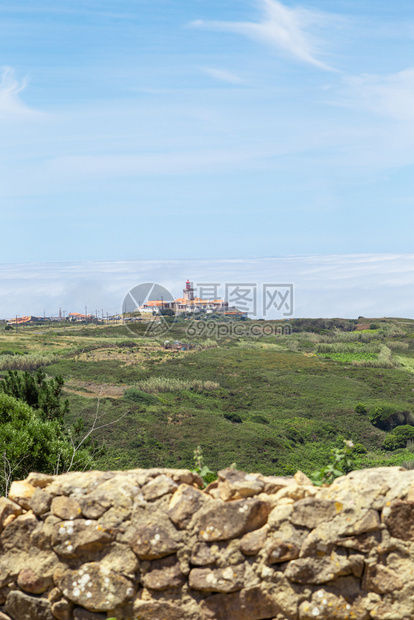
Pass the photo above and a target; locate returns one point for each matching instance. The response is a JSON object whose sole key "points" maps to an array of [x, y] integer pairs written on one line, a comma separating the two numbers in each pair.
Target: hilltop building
{"points": [[188, 303], [77, 316], [23, 320]]}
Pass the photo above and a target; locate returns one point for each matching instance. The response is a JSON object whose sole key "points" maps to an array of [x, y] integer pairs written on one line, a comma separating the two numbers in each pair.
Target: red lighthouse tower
{"points": [[188, 292]]}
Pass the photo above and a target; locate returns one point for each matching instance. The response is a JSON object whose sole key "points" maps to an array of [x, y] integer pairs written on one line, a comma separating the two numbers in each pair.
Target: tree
{"points": [[38, 392], [33, 436], [29, 442]]}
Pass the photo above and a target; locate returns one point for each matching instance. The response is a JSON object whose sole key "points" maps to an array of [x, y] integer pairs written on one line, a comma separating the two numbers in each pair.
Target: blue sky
{"points": [[249, 128], [170, 129]]}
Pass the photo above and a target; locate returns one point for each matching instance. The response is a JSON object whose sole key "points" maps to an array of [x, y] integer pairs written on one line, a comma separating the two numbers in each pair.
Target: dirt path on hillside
{"points": [[88, 389]]}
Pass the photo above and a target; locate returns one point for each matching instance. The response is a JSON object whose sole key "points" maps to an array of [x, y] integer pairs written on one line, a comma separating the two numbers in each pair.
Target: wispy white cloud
{"points": [[62, 173], [222, 75], [289, 30], [11, 106], [388, 95], [371, 285]]}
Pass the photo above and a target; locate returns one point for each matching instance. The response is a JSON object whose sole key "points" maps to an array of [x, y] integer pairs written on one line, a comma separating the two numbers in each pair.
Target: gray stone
{"points": [[318, 570], [228, 579], [252, 542], [281, 551], [152, 542], [202, 554], [158, 487], [164, 574], [157, 610], [22, 606], [329, 606], [40, 501], [249, 604], [71, 538], [381, 579], [83, 614], [94, 505], [311, 511], [235, 484], [17, 534], [184, 504], [62, 609], [93, 587], [225, 520]]}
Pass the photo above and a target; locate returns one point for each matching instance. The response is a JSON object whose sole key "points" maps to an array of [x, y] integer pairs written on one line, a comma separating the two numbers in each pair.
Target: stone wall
{"points": [[150, 545]]}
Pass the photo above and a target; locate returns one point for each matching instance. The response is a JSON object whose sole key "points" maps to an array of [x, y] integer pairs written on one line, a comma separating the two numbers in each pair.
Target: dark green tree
{"points": [[29, 441], [38, 392]]}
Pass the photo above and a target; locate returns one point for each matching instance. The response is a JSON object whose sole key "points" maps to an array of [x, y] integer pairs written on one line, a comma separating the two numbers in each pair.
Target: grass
{"points": [[155, 385], [295, 396], [30, 361]]}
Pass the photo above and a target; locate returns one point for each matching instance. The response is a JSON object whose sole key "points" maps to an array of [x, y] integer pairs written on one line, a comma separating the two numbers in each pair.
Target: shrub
{"points": [[359, 449], [128, 344], [406, 431], [360, 408], [260, 419], [399, 437], [140, 397], [387, 417], [294, 435], [28, 442], [233, 417], [391, 442], [374, 326]]}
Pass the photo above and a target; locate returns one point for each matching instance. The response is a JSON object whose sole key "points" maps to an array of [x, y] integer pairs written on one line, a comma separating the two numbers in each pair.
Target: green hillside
{"points": [[274, 404]]}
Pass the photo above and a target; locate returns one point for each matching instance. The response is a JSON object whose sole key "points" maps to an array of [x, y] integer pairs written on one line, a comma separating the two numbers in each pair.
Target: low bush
{"points": [[359, 449], [233, 417], [387, 417], [399, 437], [139, 397], [392, 442], [360, 408], [260, 419]]}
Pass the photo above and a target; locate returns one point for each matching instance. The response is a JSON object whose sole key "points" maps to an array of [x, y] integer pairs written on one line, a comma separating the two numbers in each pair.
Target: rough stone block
{"points": [[225, 520], [93, 587], [22, 606]]}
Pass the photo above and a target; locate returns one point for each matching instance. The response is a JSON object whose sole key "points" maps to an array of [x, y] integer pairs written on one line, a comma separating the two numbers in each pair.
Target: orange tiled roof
{"points": [[198, 300], [21, 319], [156, 303]]}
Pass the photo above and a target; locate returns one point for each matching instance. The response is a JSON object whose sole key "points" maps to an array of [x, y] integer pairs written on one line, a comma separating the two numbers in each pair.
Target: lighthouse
{"points": [[188, 292]]}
